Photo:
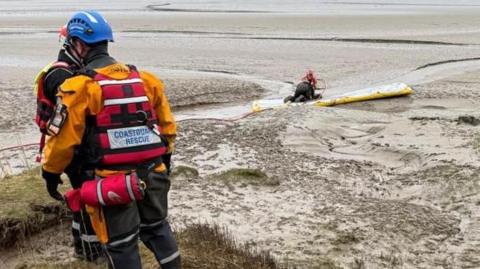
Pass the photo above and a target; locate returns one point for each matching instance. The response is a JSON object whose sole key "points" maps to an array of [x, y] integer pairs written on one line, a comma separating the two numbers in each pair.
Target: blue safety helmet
{"points": [[90, 27]]}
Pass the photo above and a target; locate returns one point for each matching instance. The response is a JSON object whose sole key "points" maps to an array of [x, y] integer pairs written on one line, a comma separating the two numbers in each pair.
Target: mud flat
{"points": [[381, 184]]}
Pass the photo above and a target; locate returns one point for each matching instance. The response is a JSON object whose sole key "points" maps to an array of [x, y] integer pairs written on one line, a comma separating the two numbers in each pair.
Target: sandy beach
{"points": [[390, 183]]}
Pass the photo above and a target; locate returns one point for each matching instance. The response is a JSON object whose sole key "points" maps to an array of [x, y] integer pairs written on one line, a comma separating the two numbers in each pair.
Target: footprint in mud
{"points": [[433, 107], [357, 132], [412, 160], [375, 129]]}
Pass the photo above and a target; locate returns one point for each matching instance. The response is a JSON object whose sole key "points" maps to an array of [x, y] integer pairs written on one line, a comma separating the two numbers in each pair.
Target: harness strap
{"points": [[60, 64], [142, 170], [40, 148], [91, 120], [87, 72]]}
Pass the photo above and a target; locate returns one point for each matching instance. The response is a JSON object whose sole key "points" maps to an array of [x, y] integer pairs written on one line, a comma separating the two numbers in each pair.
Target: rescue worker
{"points": [[305, 90], [130, 132], [86, 245]]}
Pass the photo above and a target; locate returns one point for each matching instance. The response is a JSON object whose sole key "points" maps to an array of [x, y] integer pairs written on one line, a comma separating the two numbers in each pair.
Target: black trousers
{"points": [[303, 92], [85, 242], [146, 220]]}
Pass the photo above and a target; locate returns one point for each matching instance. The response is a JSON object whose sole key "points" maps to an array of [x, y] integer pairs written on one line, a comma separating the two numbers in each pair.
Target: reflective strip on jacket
{"points": [[83, 96]]}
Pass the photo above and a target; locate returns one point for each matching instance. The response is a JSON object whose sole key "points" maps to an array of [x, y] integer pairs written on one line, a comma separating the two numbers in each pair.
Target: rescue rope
{"points": [[324, 88], [242, 116], [19, 146]]}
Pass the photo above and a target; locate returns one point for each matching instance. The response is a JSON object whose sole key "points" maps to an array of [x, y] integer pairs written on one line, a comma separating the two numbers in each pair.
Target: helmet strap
{"points": [[74, 54], [74, 59]]}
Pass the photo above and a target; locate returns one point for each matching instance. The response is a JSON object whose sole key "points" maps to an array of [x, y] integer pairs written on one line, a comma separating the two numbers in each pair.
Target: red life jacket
{"points": [[126, 130]]}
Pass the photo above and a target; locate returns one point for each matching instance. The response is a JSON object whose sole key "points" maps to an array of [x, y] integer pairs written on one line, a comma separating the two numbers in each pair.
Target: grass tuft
{"points": [[69, 265], [346, 238], [184, 171], [246, 176], [201, 246], [210, 246], [325, 264]]}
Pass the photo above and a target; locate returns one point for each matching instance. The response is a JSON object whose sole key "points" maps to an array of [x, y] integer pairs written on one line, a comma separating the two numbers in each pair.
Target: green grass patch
{"points": [[70, 265], [25, 207], [210, 246], [184, 171], [246, 176], [326, 264], [346, 238]]}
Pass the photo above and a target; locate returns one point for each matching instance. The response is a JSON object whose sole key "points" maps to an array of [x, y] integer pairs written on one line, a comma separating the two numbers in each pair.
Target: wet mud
{"points": [[372, 187], [383, 184]]}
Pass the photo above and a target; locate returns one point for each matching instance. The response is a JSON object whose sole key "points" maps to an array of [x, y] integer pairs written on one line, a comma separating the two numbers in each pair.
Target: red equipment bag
{"points": [[72, 197], [119, 189]]}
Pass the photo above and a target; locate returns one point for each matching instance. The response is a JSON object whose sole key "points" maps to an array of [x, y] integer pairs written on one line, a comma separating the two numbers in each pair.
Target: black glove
{"points": [[53, 180], [166, 159]]}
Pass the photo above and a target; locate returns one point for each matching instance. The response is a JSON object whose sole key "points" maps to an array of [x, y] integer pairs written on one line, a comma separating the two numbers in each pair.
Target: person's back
{"points": [[118, 109], [86, 87]]}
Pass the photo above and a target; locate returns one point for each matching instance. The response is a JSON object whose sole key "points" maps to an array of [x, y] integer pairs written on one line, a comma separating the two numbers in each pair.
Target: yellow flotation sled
{"points": [[391, 90]]}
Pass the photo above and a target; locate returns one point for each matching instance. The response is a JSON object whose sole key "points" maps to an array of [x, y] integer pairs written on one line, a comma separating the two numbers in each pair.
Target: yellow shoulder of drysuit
{"points": [[80, 95], [155, 92], [39, 76], [114, 71]]}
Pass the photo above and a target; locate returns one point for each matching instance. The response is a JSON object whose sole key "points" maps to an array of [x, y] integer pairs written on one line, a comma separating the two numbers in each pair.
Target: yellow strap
{"points": [[39, 77]]}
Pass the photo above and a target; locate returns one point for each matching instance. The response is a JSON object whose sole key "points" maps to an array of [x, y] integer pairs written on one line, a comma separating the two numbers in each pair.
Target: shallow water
{"points": [[305, 6]]}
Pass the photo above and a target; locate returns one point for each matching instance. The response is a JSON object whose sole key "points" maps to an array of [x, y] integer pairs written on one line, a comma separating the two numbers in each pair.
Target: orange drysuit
{"points": [[82, 96]]}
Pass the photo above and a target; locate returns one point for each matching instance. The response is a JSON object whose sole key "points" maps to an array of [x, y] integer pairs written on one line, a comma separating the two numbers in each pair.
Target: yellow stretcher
{"points": [[391, 90]]}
